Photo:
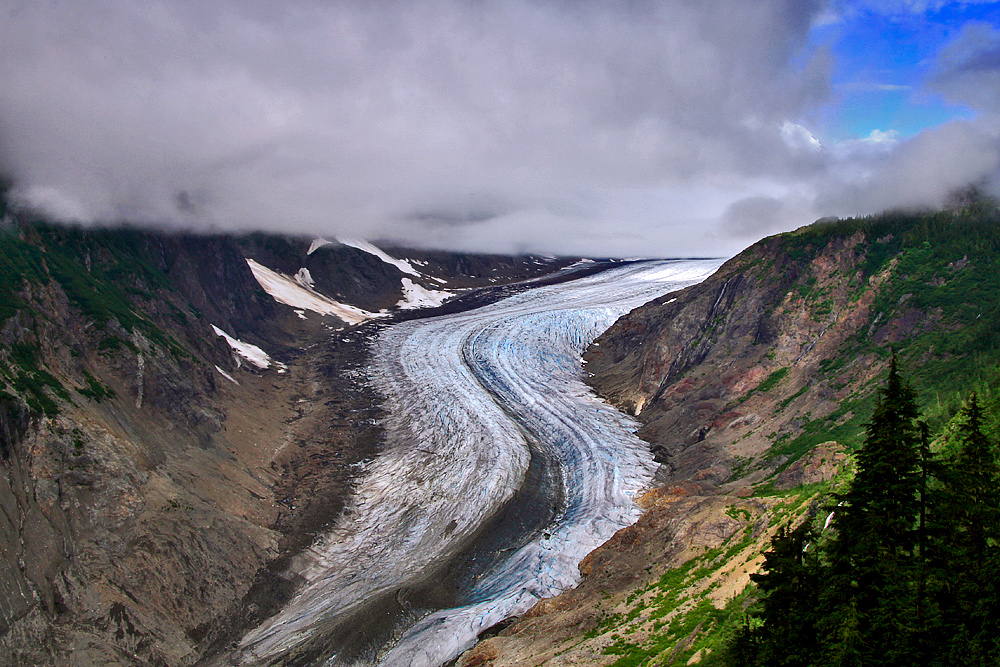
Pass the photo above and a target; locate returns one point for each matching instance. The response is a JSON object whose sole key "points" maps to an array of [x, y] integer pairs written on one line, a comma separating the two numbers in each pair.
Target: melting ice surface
{"points": [[465, 393]]}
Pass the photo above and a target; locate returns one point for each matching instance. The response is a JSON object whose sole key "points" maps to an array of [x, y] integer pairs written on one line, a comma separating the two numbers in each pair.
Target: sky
{"points": [[585, 127]]}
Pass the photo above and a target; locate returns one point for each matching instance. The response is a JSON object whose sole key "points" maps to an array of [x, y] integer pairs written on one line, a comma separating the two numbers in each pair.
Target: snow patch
{"points": [[304, 278], [226, 375], [291, 293], [400, 264], [418, 296], [251, 353], [316, 245]]}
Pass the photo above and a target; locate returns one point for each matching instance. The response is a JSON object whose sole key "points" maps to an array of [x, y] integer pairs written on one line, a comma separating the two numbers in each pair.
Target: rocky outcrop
{"points": [[132, 513], [705, 367]]}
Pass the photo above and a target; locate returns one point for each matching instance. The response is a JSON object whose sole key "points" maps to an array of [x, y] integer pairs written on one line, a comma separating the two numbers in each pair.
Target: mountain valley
{"points": [[158, 475], [160, 478]]}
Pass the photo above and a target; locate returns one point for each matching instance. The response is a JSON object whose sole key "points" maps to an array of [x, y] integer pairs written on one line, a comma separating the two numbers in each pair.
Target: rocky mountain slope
{"points": [[752, 388], [180, 414], [170, 433]]}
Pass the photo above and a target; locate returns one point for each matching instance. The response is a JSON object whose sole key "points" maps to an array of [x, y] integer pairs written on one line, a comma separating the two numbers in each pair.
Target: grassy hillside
{"points": [[936, 301]]}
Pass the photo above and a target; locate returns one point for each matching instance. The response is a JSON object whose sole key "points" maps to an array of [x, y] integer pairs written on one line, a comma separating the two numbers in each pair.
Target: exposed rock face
{"points": [[357, 277], [153, 483], [132, 513], [689, 364], [212, 273]]}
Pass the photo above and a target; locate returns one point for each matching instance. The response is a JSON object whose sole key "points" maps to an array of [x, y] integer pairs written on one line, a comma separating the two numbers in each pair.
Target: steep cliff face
{"points": [[752, 388], [703, 368], [132, 514]]}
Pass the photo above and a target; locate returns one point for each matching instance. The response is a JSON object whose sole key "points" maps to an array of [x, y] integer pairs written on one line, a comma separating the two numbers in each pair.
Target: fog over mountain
{"points": [[634, 128]]}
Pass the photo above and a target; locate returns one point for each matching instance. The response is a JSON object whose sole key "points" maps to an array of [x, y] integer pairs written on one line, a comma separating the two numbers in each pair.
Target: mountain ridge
{"points": [[156, 481]]}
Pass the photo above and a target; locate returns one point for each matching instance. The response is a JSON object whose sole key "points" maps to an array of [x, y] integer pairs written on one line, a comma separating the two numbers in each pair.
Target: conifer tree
{"points": [[967, 559], [870, 602], [788, 585], [912, 574]]}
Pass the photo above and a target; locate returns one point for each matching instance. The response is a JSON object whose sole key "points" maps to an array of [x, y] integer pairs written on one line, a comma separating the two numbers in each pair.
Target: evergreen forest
{"points": [[901, 568]]}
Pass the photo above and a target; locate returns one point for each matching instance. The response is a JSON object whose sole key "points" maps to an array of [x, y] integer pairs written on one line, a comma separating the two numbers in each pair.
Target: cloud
{"points": [[754, 215], [920, 172], [968, 69], [886, 171], [375, 118], [647, 127]]}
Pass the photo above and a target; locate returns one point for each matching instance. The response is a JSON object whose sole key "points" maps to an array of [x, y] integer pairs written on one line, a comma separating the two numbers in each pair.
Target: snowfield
{"points": [[472, 397], [401, 264], [418, 296], [297, 292]]}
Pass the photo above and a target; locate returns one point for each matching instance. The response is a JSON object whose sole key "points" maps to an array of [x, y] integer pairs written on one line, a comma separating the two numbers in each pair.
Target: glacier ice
{"points": [[465, 393]]}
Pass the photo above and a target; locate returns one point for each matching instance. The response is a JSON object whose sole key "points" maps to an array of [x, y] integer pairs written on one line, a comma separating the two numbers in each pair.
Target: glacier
{"points": [[472, 398]]}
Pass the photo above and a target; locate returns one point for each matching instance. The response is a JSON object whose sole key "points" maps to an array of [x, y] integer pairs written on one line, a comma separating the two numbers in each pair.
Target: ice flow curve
{"points": [[462, 392]]}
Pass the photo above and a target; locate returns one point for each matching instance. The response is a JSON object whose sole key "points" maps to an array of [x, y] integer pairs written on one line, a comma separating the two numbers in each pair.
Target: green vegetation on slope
{"points": [[909, 576], [933, 283], [106, 279], [937, 304]]}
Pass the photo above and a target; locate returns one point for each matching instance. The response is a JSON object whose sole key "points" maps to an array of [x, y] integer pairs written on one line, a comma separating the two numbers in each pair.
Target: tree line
{"points": [[910, 573]]}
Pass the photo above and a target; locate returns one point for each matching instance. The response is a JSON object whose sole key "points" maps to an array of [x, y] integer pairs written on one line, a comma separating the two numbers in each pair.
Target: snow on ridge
{"points": [[400, 264], [418, 296], [316, 245], [251, 353], [292, 293]]}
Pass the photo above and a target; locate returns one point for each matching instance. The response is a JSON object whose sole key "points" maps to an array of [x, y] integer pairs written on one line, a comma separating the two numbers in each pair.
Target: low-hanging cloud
{"points": [[585, 126], [922, 172]]}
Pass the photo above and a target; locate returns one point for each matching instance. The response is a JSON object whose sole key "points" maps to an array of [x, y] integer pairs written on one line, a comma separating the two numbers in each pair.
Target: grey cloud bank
{"points": [[641, 128]]}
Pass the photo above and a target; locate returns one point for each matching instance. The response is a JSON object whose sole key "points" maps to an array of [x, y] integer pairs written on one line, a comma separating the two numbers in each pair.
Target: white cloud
{"points": [[584, 127], [921, 171], [374, 119], [968, 69], [799, 138]]}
